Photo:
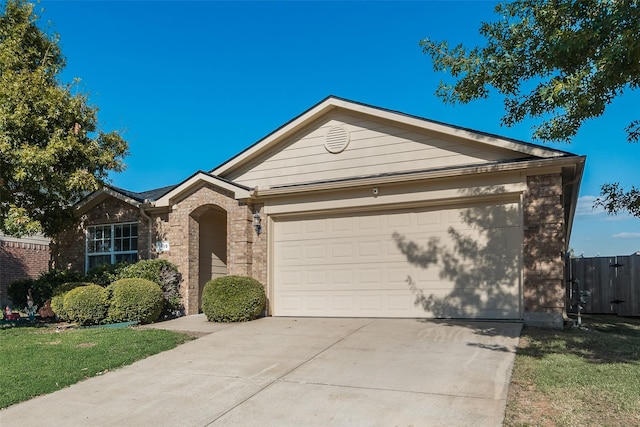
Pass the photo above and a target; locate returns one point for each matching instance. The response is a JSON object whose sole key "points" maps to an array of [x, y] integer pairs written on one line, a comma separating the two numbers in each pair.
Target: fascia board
{"points": [[426, 124], [528, 167], [195, 181]]}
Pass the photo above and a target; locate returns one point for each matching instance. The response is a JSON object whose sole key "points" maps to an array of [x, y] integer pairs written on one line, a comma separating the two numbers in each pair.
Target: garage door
{"points": [[451, 262]]}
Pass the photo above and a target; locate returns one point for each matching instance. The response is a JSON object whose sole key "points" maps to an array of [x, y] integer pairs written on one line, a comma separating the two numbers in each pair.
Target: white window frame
{"points": [[110, 251]]}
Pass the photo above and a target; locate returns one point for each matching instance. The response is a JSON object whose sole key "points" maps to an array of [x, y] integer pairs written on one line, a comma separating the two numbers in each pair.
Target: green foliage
{"points": [[614, 199], [52, 151], [86, 305], [565, 60], [57, 300], [104, 274], [57, 306], [139, 300], [17, 291], [161, 272], [42, 288], [233, 299]]}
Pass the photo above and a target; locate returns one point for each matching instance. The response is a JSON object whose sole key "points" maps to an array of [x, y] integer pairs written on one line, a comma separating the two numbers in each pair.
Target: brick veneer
{"points": [[69, 247], [20, 260], [544, 241], [182, 231], [544, 244]]}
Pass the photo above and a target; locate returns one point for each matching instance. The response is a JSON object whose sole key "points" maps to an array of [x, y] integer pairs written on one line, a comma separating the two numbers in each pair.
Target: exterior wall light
{"points": [[257, 223]]}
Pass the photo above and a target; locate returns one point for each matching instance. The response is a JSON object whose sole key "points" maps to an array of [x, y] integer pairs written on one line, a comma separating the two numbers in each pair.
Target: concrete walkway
{"points": [[300, 372]]}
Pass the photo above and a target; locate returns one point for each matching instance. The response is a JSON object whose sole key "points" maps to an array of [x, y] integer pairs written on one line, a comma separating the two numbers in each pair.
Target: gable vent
{"points": [[336, 140]]}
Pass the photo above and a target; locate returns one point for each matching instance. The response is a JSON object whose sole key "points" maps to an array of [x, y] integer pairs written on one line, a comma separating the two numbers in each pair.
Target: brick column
{"points": [[544, 243]]}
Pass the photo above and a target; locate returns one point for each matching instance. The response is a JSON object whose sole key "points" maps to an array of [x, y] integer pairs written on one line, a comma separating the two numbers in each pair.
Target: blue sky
{"points": [[191, 83]]}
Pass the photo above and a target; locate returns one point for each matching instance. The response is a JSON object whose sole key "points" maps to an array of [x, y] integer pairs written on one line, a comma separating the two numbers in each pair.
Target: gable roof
{"points": [[197, 180], [163, 196], [332, 102], [149, 195]]}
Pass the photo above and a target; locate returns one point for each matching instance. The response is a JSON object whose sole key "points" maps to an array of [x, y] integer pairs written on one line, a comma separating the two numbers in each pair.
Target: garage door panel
{"points": [[450, 262]]}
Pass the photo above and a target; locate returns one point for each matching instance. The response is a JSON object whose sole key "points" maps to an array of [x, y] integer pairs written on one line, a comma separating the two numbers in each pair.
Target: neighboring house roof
{"points": [[37, 239]]}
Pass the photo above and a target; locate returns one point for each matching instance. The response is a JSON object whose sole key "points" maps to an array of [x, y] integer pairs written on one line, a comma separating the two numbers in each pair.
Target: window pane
{"points": [[126, 257], [103, 241]]}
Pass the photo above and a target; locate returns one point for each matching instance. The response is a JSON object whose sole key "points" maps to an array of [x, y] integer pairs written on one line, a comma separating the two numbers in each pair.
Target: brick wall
{"points": [[69, 247], [246, 251], [181, 228], [20, 260], [544, 244]]}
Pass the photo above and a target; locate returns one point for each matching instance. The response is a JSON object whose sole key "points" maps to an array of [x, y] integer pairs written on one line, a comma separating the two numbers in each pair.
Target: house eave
{"points": [[99, 196], [196, 181], [332, 103], [528, 167]]}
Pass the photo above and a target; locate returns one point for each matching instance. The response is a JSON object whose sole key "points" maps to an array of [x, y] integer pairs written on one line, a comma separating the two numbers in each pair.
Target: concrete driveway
{"points": [[300, 372]]}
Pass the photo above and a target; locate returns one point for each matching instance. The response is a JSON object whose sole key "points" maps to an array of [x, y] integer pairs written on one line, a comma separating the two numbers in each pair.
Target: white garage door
{"points": [[452, 262]]}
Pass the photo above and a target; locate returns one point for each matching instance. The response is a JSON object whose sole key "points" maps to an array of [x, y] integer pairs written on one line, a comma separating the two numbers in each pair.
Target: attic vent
{"points": [[336, 140]]}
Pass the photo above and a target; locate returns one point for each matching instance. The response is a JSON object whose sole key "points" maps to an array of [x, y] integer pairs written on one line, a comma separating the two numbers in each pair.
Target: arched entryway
{"points": [[212, 245]]}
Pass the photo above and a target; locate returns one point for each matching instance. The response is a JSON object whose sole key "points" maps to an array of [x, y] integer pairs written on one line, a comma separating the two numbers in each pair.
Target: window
{"points": [[108, 244]]}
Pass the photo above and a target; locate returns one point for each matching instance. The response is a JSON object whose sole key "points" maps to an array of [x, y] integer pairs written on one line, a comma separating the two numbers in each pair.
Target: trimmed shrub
{"points": [[233, 299], [134, 300], [57, 300], [57, 305], [105, 274], [86, 305], [163, 273]]}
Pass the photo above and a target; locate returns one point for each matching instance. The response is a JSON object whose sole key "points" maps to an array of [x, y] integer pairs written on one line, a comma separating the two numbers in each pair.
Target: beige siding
{"points": [[374, 148]]}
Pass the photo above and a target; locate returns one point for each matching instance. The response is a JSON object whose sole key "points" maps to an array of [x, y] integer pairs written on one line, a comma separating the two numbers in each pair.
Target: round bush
{"points": [[57, 301], [233, 299], [162, 272], [134, 300], [86, 305]]}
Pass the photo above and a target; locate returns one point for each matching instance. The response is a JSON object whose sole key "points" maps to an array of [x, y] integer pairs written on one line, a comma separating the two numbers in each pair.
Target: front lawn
{"points": [[39, 360], [577, 377]]}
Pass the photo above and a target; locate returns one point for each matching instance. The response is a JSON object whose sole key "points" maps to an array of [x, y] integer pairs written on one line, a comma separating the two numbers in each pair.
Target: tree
{"points": [[52, 151], [559, 61]]}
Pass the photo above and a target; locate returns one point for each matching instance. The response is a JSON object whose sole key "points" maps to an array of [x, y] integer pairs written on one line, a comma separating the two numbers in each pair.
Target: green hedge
{"points": [[86, 305], [164, 274], [138, 300], [233, 299], [57, 300]]}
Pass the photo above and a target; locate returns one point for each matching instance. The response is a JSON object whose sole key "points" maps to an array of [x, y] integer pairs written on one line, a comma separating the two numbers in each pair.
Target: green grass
{"points": [[577, 377], [40, 360]]}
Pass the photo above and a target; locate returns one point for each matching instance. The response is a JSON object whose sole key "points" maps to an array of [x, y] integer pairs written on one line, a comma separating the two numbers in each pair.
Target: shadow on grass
{"points": [[601, 339]]}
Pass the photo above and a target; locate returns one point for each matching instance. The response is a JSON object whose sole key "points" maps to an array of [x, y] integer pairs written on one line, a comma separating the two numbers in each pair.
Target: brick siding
{"points": [[544, 241], [544, 244], [20, 260]]}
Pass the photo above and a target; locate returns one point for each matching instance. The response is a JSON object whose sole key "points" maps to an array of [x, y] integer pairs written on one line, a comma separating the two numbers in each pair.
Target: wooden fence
{"points": [[613, 284]]}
